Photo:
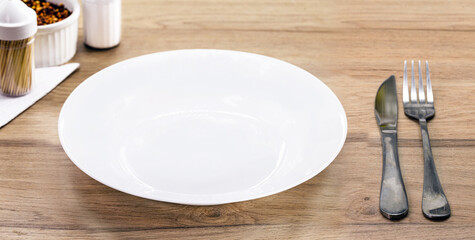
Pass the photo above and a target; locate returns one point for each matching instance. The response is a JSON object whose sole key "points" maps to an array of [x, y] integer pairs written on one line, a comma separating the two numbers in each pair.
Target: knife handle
{"points": [[393, 199]]}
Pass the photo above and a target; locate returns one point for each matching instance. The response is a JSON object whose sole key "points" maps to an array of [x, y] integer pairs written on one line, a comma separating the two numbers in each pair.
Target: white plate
{"points": [[202, 127]]}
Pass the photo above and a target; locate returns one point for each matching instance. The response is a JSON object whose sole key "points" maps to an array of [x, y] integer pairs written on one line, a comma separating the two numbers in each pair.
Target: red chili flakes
{"points": [[46, 12]]}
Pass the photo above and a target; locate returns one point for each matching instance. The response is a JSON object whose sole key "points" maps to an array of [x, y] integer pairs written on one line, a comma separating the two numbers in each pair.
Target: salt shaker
{"points": [[102, 23], [18, 27]]}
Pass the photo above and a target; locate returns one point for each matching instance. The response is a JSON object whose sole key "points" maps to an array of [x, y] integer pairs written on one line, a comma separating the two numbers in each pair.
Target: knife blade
{"points": [[393, 198]]}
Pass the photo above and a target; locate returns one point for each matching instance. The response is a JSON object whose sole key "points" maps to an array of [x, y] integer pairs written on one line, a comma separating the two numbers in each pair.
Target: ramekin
{"points": [[56, 43]]}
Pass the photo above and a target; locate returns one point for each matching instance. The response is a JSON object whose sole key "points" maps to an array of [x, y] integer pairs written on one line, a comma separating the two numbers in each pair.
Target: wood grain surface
{"points": [[352, 46]]}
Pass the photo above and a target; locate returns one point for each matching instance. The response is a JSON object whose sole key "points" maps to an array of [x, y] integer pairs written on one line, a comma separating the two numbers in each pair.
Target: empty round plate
{"points": [[202, 127]]}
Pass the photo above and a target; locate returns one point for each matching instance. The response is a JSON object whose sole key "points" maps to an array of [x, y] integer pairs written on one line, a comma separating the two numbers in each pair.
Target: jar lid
{"points": [[17, 21]]}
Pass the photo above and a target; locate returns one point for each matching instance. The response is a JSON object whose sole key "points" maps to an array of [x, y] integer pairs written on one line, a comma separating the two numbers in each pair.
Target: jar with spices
{"points": [[102, 23], [17, 30]]}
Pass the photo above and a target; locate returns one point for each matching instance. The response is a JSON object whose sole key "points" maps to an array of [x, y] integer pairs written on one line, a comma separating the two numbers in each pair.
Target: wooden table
{"points": [[352, 46]]}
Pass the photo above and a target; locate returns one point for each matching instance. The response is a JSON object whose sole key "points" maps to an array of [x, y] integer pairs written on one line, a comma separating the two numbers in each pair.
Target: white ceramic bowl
{"points": [[202, 127], [55, 43]]}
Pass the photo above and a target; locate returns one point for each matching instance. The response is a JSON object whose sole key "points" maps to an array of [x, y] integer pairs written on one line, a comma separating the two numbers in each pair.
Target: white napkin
{"points": [[46, 79]]}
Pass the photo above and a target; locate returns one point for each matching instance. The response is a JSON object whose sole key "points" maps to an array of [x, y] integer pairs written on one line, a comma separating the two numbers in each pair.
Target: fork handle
{"points": [[393, 199], [434, 202]]}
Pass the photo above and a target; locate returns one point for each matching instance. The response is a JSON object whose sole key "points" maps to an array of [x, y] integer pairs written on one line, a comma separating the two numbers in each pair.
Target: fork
{"points": [[434, 202]]}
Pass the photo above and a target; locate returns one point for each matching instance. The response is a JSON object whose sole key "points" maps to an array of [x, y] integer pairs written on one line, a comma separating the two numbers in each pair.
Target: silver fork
{"points": [[434, 202]]}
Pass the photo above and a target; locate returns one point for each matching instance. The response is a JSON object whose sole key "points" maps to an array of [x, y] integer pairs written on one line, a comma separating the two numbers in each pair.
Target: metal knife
{"points": [[393, 198]]}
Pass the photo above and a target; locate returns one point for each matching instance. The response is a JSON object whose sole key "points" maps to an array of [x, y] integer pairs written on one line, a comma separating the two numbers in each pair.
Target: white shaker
{"points": [[102, 23]]}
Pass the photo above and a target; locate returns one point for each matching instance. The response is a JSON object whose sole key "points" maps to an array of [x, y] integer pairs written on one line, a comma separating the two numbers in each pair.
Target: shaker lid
{"points": [[17, 21], [101, 1]]}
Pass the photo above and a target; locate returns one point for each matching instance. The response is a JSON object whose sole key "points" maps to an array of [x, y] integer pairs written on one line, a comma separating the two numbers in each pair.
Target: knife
{"points": [[393, 199]]}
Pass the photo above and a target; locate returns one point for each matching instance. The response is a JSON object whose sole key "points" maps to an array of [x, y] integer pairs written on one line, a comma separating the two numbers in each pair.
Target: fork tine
{"points": [[422, 98], [413, 86], [430, 97], [405, 88]]}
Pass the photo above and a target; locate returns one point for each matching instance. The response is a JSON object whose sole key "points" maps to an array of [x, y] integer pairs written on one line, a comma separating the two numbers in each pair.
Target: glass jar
{"points": [[18, 27], [17, 64]]}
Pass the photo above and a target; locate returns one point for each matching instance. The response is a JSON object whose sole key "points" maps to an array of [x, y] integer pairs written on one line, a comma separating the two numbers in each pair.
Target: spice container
{"points": [[56, 43], [17, 62], [102, 23]]}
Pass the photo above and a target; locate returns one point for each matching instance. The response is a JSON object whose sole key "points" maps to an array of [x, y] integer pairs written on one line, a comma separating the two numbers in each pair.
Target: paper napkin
{"points": [[46, 80]]}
